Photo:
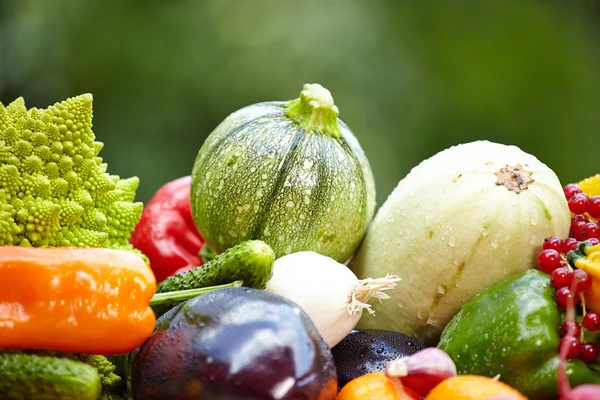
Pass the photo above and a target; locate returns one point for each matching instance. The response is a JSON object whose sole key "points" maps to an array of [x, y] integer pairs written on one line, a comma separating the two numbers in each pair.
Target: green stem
{"points": [[314, 110], [183, 295]]}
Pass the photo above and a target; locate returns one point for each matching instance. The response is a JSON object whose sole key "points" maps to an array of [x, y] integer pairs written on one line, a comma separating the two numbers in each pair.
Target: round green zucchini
{"points": [[291, 174]]}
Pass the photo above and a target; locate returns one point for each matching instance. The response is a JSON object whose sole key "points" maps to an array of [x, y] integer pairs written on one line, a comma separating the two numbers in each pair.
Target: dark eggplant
{"points": [[230, 344], [370, 350]]}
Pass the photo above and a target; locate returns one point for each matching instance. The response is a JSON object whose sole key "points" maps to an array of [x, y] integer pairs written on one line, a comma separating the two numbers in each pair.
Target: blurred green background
{"points": [[410, 77]]}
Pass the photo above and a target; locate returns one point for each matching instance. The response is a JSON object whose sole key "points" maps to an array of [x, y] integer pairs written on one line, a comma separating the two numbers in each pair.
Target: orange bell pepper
{"points": [[82, 300]]}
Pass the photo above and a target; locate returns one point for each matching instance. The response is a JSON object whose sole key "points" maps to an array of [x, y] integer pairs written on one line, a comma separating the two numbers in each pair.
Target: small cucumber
{"points": [[250, 262], [32, 377]]}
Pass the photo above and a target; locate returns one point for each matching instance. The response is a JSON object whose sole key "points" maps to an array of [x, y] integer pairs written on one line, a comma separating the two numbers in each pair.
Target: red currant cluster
{"points": [[579, 204], [570, 283]]}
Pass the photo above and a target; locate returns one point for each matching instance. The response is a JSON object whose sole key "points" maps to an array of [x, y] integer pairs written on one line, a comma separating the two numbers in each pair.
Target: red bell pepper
{"points": [[166, 232]]}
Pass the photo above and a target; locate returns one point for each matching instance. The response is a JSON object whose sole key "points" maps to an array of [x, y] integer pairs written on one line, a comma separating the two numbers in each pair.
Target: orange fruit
{"points": [[374, 385], [472, 387], [590, 186]]}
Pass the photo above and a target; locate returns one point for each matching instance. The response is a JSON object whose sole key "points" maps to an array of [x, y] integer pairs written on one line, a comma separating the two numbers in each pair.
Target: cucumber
{"points": [[250, 262], [32, 377]]}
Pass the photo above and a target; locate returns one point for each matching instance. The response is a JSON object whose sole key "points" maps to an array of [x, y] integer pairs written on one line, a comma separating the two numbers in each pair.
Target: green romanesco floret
{"points": [[106, 370], [54, 189]]}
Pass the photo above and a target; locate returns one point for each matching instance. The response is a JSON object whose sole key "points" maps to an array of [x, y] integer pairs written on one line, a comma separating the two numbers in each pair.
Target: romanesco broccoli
{"points": [[54, 189], [106, 371]]}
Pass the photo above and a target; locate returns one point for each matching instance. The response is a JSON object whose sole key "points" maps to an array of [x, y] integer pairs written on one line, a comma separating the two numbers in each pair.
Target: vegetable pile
{"points": [[266, 274]]}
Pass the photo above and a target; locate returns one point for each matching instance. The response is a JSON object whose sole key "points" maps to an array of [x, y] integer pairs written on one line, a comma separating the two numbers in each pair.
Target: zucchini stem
{"points": [[314, 110]]}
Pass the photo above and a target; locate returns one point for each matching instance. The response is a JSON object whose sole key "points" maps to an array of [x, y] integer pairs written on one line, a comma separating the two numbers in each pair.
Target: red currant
{"points": [[571, 190], [583, 280], [591, 322], [564, 328], [573, 344], [589, 353], [553, 242], [589, 230], [578, 204], [577, 230], [561, 277], [594, 241], [579, 217], [549, 260], [570, 244], [564, 296], [594, 207]]}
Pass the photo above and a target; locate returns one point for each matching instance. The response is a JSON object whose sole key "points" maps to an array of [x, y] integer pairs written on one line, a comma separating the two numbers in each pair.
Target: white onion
{"points": [[327, 291]]}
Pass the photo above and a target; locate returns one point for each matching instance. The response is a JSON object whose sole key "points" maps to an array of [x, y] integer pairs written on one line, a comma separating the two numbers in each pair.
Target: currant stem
{"points": [[582, 334]]}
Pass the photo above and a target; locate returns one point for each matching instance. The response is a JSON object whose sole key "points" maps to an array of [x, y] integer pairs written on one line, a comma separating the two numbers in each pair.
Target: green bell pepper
{"points": [[511, 329]]}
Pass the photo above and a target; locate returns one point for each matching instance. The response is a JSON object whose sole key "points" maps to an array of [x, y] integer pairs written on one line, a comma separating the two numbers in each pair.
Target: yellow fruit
{"points": [[472, 387], [590, 186]]}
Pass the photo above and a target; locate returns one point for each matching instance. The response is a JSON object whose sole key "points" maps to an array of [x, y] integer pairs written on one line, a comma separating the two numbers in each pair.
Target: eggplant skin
{"points": [[369, 350], [235, 343]]}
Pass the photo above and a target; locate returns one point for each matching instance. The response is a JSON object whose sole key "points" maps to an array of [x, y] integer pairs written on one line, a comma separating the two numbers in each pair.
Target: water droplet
{"points": [[441, 290], [494, 243], [534, 220], [419, 314], [451, 241]]}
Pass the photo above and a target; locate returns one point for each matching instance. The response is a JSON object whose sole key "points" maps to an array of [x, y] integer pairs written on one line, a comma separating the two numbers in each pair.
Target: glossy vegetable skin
{"points": [[289, 173], [237, 343], [370, 350], [166, 233], [28, 376], [82, 300], [511, 329]]}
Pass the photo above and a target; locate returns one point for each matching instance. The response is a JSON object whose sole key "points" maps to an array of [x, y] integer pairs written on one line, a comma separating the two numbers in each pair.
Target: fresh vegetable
{"points": [[460, 221], [163, 302], [54, 189], [289, 173], [422, 371], [237, 343], [511, 329], [328, 291], [166, 232], [29, 376], [250, 262], [375, 385], [365, 351], [106, 370], [90, 300], [473, 387]]}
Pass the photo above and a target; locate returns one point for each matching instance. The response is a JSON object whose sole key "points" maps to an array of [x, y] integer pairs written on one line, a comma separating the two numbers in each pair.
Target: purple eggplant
{"points": [[236, 343], [370, 350]]}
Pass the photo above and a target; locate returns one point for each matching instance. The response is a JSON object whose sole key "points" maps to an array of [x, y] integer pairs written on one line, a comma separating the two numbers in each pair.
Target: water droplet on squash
{"points": [[451, 241], [494, 243], [441, 290]]}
